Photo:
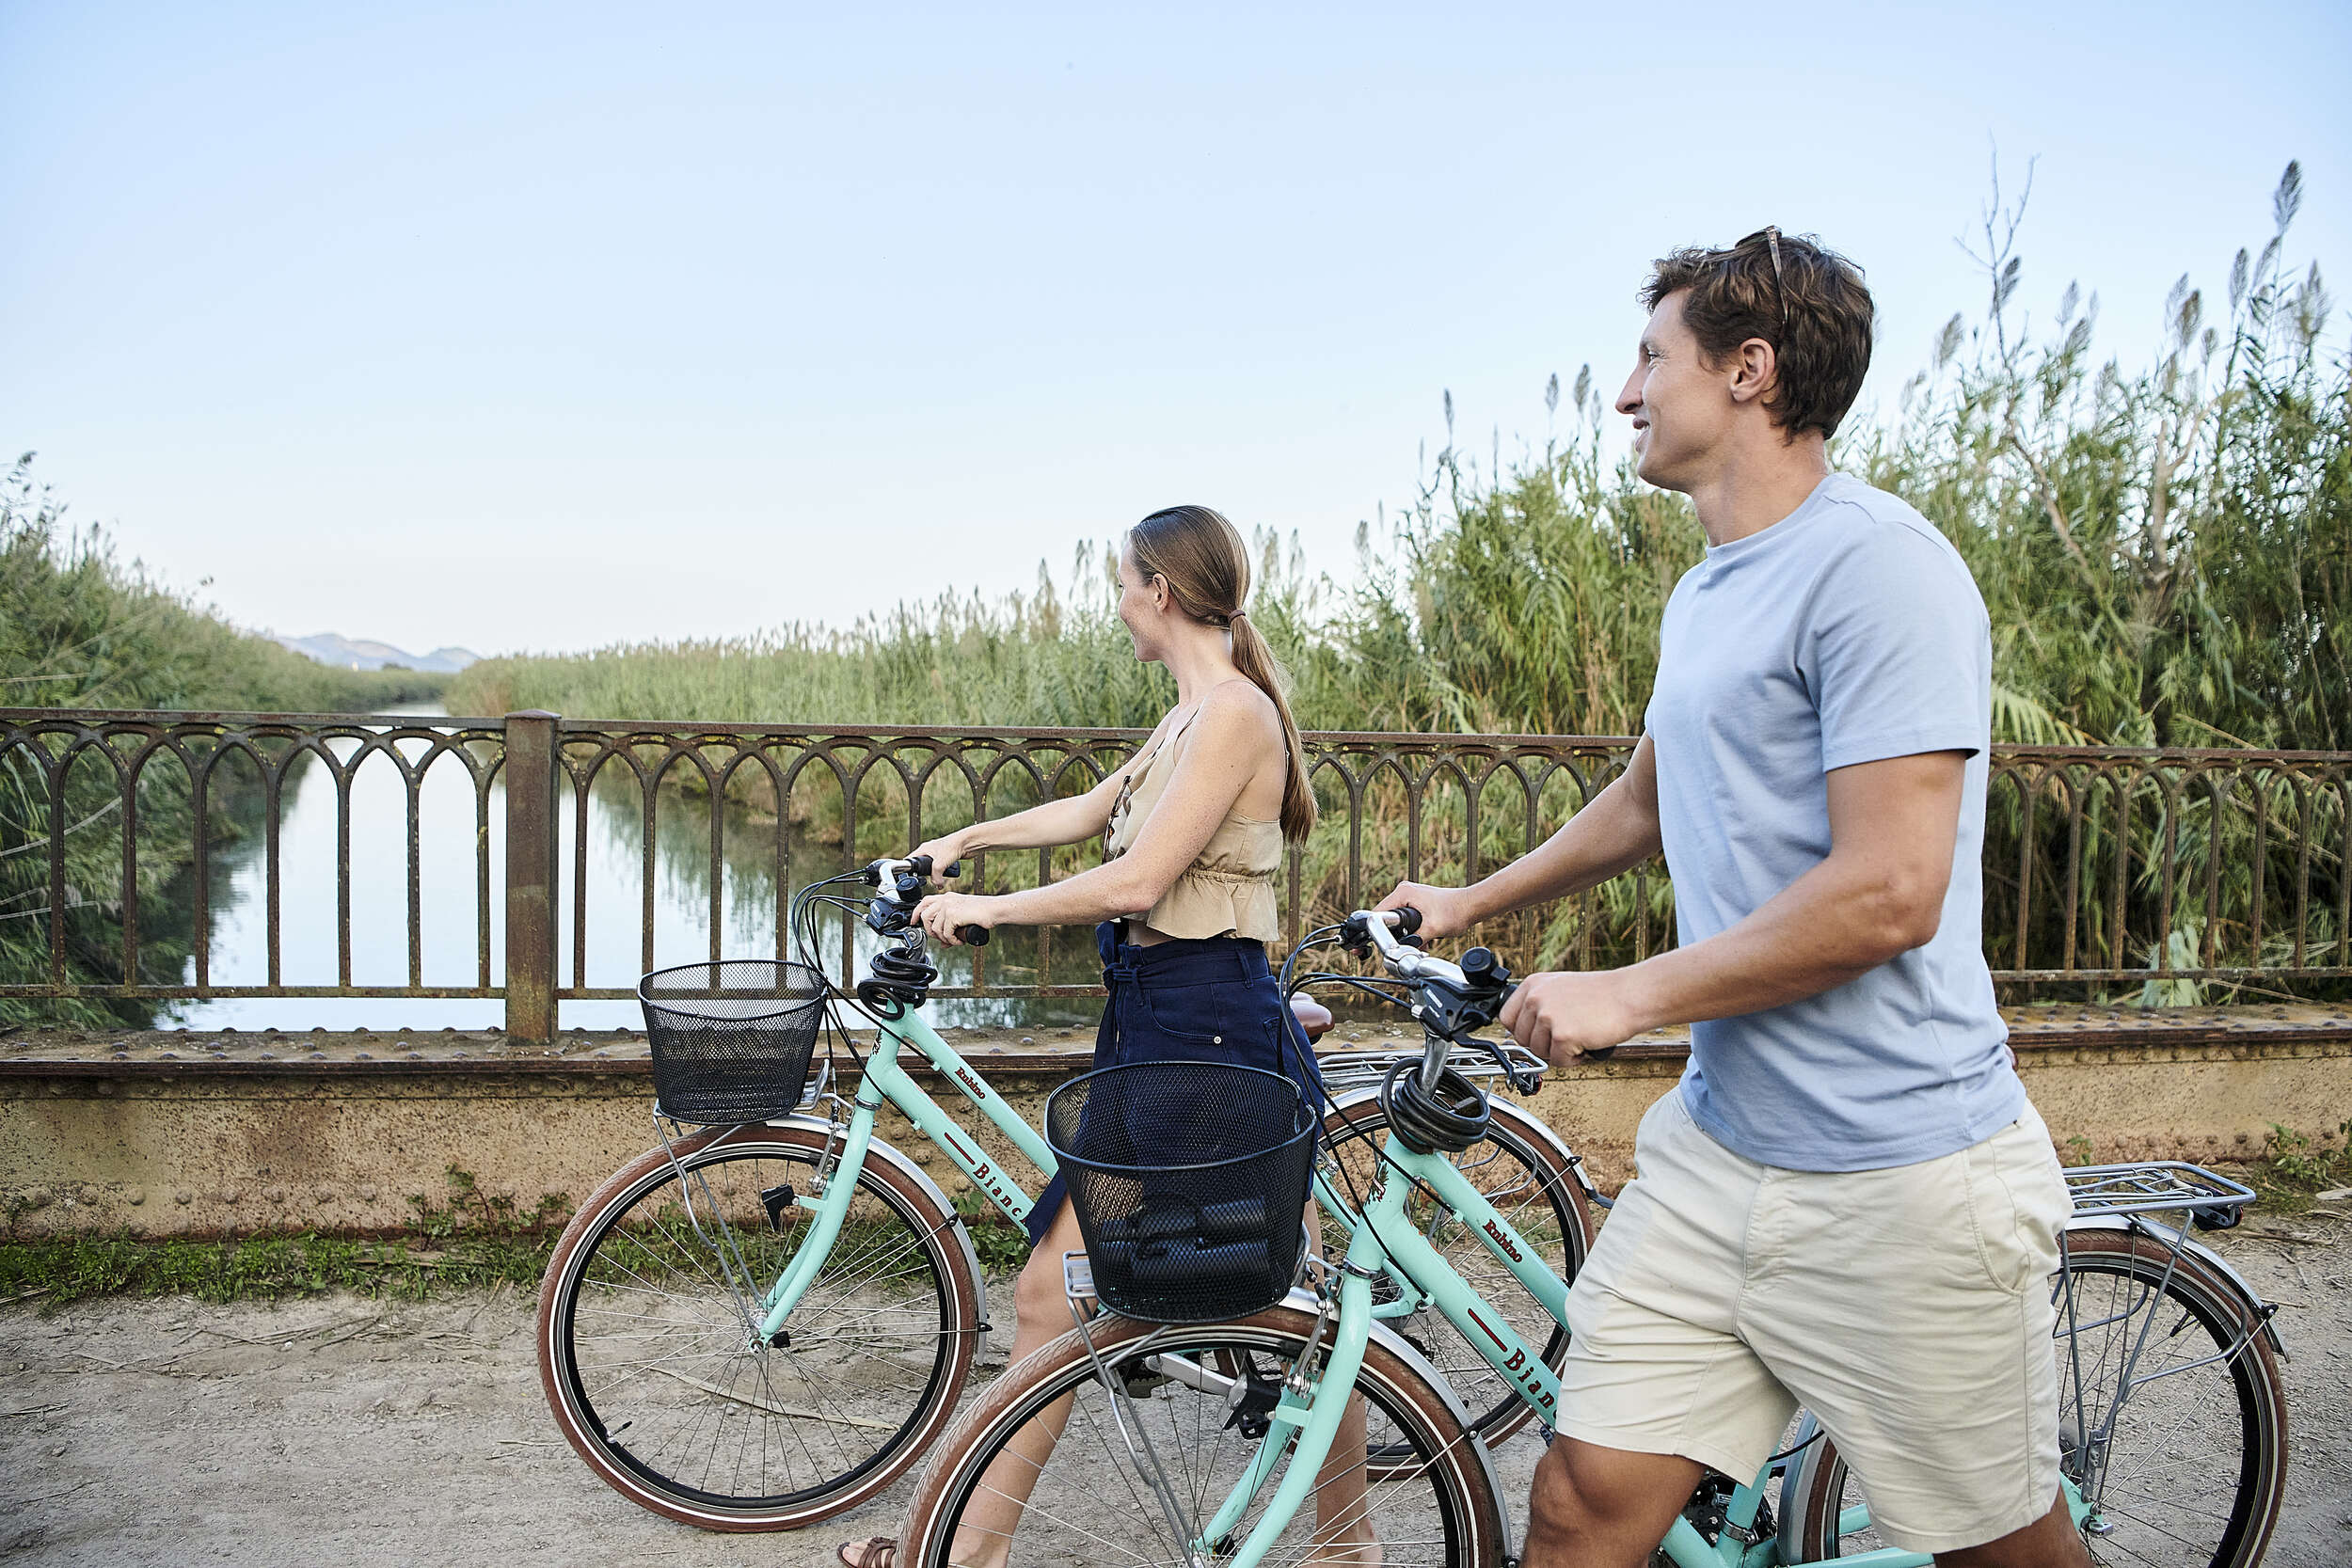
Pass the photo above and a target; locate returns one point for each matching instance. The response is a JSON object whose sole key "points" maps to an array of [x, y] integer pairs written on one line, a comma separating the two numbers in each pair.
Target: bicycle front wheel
{"points": [[649, 1361], [1198, 1403], [2171, 1417]]}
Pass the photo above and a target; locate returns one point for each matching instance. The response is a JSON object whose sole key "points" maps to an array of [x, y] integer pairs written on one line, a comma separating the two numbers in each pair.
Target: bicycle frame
{"points": [[886, 1081], [1384, 1243]]}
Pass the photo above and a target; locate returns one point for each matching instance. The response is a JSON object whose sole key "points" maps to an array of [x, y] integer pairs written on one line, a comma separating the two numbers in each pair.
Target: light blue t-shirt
{"points": [[1847, 632]]}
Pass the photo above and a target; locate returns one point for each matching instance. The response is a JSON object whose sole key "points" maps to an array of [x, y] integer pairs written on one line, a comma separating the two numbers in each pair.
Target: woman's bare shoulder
{"points": [[1240, 698], [1240, 707]]}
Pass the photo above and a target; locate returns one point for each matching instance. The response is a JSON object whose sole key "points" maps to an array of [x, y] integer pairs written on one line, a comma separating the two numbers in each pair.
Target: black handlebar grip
{"points": [[954, 868], [1601, 1056], [1408, 919], [972, 935], [919, 865]]}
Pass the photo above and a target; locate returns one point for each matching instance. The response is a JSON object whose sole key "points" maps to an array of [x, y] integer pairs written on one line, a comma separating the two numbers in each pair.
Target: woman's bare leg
{"points": [[984, 1536], [1343, 1533]]}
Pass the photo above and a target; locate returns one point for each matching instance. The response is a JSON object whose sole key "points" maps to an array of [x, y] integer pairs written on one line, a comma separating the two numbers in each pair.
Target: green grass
{"points": [[465, 1240], [1001, 1245], [263, 1268], [2295, 1166], [472, 1241], [2164, 543]]}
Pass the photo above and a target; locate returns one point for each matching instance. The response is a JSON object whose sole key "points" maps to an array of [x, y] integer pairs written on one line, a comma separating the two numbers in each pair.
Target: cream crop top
{"points": [[1229, 887]]}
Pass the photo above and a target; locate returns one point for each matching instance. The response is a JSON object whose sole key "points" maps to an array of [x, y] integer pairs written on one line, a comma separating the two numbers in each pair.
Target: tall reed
{"points": [[2165, 550]]}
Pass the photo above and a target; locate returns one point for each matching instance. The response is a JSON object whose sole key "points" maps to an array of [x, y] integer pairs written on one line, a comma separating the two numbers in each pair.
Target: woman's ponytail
{"points": [[1206, 566], [1253, 659]]}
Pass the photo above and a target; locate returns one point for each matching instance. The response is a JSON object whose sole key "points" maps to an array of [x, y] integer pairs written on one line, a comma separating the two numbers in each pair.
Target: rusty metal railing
{"points": [[2103, 867]]}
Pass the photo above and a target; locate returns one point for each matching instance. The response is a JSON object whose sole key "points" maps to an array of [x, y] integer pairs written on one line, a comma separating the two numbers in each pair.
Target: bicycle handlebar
{"points": [[907, 878], [1451, 999]]}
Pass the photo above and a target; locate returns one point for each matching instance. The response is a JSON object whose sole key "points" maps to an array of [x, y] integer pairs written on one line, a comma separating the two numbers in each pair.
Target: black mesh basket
{"points": [[1190, 1180], [731, 1039]]}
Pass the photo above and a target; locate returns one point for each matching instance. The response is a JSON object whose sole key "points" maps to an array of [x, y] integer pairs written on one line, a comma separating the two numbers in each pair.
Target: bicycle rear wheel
{"points": [[1209, 1385], [2188, 1472], [1519, 1170], [647, 1359]]}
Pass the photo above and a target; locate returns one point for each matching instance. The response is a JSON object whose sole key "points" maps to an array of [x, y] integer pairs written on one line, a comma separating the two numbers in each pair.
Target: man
{"points": [[1848, 1202]]}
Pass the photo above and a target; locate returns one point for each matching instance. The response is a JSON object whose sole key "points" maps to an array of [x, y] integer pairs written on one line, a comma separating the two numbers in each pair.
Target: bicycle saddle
{"points": [[1313, 1016]]}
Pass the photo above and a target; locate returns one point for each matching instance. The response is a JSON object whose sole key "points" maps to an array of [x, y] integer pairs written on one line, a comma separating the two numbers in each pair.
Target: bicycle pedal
{"points": [[1139, 1379]]}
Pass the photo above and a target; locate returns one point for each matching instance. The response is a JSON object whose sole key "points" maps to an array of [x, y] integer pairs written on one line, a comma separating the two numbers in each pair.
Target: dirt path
{"points": [[349, 1430]]}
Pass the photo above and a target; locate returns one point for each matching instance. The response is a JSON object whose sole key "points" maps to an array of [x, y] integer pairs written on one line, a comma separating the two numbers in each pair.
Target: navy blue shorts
{"points": [[1196, 999]]}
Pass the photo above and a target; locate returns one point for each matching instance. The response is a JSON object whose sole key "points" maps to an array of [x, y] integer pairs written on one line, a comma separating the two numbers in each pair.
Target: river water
{"points": [[450, 914]]}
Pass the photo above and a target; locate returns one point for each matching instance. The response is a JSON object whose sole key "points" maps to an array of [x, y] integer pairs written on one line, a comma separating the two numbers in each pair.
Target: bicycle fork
{"points": [[1304, 1421], [828, 1210]]}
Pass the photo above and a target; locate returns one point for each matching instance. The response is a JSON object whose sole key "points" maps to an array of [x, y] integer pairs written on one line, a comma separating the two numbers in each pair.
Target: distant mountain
{"points": [[356, 654]]}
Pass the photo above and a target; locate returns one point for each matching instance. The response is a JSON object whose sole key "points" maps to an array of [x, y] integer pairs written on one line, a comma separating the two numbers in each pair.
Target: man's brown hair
{"points": [[1813, 308]]}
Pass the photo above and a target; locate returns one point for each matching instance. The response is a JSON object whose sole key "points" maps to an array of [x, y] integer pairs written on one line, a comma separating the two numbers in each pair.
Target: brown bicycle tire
{"points": [[963, 1316], [2262, 1402], [961, 1456]]}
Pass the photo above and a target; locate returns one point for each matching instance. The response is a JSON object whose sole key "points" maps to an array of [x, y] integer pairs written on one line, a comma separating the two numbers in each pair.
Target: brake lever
{"points": [[1528, 1085]]}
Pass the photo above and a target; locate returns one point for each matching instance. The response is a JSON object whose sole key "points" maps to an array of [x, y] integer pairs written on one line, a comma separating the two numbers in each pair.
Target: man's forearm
{"points": [[1831, 925], [1617, 831]]}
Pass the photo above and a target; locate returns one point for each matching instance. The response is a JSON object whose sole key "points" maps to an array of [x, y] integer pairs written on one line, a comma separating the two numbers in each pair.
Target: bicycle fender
{"points": [[1523, 1120], [2261, 1311], [1538, 1128], [899, 1162]]}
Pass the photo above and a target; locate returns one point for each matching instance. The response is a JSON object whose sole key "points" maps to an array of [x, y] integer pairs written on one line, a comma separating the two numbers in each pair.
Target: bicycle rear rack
{"points": [[1350, 1069], [2152, 1186]]}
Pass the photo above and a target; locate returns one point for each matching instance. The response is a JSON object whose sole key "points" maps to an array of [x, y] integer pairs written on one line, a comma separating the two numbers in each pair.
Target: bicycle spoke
{"points": [[658, 1350], [1087, 1501]]}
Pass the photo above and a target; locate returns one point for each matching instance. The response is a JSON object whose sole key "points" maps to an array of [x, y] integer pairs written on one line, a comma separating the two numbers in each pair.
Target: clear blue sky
{"points": [[559, 325]]}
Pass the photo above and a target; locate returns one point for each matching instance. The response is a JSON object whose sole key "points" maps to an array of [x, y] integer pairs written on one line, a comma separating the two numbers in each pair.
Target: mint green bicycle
{"points": [[768, 1318], [1204, 1445]]}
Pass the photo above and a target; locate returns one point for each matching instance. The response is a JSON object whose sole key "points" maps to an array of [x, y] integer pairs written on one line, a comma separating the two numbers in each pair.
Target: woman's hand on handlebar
{"points": [[1444, 910], [944, 852], [942, 914], [1565, 1015]]}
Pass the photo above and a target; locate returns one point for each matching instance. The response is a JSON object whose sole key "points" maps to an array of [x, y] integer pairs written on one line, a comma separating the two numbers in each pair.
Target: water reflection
{"points": [[460, 935]]}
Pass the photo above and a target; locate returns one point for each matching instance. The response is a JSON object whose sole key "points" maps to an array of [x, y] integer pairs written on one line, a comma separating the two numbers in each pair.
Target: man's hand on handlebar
{"points": [[1444, 910], [957, 918], [1565, 1015]]}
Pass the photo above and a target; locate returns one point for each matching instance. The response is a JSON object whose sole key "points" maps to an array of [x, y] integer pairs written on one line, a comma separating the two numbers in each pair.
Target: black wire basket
{"points": [[1190, 1180], [731, 1038]]}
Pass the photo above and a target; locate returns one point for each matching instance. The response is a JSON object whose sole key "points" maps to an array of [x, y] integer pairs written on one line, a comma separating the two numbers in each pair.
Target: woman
{"points": [[1195, 825]]}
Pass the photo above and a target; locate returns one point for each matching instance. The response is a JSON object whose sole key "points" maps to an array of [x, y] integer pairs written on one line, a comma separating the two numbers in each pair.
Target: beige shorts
{"points": [[1909, 1308]]}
